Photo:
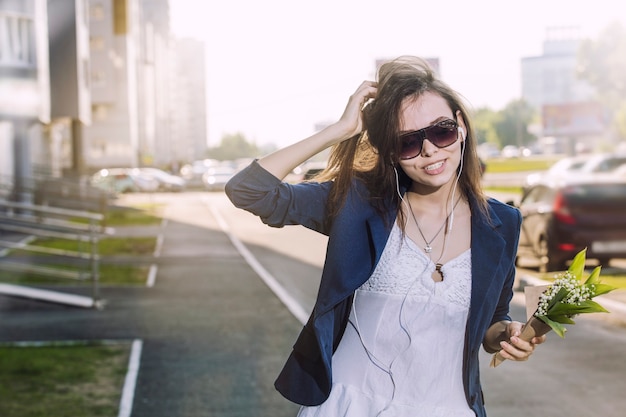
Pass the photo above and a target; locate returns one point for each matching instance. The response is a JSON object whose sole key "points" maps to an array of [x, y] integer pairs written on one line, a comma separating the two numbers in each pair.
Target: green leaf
{"points": [[588, 306], [594, 278], [557, 327], [593, 307], [578, 264], [564, 319], [602, 289]]}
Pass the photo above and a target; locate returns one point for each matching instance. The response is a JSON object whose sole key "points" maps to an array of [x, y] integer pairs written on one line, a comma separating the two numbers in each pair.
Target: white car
{"points": [[580, 164], [511, 151], [124, 180], [167, 181], [215, 178]]}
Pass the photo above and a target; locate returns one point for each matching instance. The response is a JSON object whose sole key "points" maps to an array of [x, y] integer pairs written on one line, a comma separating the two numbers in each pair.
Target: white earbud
{"points": [[461, 131]]}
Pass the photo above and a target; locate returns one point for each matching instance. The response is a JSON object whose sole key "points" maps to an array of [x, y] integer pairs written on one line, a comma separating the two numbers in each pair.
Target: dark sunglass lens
{"points": [[442, 135], [411, 146]]}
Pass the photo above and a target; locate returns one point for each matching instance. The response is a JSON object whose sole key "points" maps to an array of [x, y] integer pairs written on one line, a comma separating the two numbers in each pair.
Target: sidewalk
{"points": [[208, 347]]}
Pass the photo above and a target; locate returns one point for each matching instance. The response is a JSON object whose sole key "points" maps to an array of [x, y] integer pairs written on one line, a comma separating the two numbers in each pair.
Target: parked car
{"points": [[620, 171], [192, 173], [124, 180], [215, 178], [558, 168], [311, 169], [167, 181], [579, 164], [511, 151], [562, 216]]}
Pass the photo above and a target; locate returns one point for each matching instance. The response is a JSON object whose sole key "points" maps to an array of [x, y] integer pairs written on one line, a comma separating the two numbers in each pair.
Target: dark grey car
{"points": [[563, 216]]}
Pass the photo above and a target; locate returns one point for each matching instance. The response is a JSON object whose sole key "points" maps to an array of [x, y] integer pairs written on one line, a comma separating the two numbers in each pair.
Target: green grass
{"points": [[497, 165], [75, 380], [110, 273], [514, 190], [107, 246], [133, 216], [62, 381], [144, 215]]}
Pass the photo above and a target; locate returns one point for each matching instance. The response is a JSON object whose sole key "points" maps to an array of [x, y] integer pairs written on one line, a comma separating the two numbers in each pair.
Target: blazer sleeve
{"points": [[278, 203]]}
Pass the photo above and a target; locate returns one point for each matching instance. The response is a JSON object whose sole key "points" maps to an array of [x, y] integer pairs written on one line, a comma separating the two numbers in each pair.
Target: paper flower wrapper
{"points": [[548, 307], [534, 326]]}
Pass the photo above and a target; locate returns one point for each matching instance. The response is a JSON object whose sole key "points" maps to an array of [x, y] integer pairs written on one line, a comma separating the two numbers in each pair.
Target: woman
{"points": [[420, 264]]}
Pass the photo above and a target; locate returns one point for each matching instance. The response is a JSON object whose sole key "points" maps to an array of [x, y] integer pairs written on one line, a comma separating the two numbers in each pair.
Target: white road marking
{"points": [[292, 305]]}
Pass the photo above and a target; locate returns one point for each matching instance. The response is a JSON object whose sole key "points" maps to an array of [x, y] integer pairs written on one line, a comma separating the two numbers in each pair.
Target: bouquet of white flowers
{"points": [[564, 299]]}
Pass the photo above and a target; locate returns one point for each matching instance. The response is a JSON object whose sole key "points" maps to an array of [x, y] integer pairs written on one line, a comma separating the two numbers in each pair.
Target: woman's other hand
{"points": [[517, 349]]}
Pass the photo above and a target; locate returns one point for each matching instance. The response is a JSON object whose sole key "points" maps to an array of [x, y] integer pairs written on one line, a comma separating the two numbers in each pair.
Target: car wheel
{"points": [[548, 263]]}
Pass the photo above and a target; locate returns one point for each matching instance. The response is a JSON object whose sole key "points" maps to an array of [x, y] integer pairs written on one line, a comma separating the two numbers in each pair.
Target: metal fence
{"points": [[69, 193], [24, 230]]}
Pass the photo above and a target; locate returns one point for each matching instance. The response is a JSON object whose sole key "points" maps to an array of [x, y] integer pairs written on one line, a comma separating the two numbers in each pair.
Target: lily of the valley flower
{"points": [[565, 298], [569, 296]]}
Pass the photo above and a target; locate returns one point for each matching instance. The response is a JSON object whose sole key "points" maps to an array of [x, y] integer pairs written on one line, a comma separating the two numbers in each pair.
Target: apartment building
{"points": [[570, 115], [87, 84]]}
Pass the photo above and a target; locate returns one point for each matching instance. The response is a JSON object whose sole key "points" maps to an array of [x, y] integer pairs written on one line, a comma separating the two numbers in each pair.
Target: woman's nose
{"points": [[428, 148]]}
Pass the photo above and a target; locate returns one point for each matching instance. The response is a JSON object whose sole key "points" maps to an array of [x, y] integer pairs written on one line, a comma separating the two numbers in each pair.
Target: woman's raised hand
{"points": [[352, 118], [282, 161]]}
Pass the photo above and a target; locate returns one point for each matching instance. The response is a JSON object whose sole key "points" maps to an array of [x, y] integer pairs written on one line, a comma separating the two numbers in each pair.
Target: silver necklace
{"points": [[428, 248]]}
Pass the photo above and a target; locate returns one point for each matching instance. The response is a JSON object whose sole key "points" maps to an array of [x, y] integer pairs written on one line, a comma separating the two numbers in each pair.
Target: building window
{"points": [[99, 111], [97, 78], [96, 12], [17, 40], [96, 43]]}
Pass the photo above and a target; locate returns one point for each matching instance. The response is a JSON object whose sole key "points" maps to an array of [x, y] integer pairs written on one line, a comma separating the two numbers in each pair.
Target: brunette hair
{"points": [[371, 156]]}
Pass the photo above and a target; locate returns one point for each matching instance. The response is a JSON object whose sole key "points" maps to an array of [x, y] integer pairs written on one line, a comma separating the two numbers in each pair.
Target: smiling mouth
{"points": [[434, 166]]}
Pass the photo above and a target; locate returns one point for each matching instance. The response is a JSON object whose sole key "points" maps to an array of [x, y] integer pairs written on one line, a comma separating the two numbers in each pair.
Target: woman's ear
{"points": [[461, 123]]}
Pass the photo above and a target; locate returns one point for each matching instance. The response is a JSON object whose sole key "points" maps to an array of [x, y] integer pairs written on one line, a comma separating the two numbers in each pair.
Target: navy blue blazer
{"points": [[356, 238]]}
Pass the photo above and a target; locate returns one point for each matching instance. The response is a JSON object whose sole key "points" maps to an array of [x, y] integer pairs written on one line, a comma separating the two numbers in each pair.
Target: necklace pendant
{"points": [[438, 270], [428, 249]]}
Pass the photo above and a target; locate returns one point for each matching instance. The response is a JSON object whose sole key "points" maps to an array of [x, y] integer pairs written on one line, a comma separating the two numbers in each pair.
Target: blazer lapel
{"points": [[379, 233]]}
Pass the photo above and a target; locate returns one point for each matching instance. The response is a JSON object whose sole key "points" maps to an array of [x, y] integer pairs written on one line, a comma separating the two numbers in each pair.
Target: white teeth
{"points": [[434, 166]]}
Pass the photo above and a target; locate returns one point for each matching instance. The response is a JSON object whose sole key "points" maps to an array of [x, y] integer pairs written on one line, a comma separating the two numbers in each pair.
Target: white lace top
{"points": [[402, 351]]}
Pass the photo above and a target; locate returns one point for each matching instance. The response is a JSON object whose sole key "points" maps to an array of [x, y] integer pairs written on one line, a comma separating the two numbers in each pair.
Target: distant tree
{"points": [[484, 120], [233, 146], [602, 63], [512, 123]]}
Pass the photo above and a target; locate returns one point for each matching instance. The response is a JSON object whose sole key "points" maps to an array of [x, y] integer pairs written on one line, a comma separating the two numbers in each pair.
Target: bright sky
{"points": [[275, 68]]}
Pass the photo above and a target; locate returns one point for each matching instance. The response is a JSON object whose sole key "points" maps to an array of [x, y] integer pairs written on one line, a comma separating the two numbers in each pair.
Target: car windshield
{"points": [[567, 164]]}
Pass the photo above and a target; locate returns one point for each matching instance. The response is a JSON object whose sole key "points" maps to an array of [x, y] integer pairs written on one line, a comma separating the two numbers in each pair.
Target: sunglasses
{"points": [[442, 134]]}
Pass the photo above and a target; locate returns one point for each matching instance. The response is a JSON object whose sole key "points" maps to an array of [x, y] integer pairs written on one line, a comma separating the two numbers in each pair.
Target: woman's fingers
{"points": [[517, 349], [352, 113]]}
